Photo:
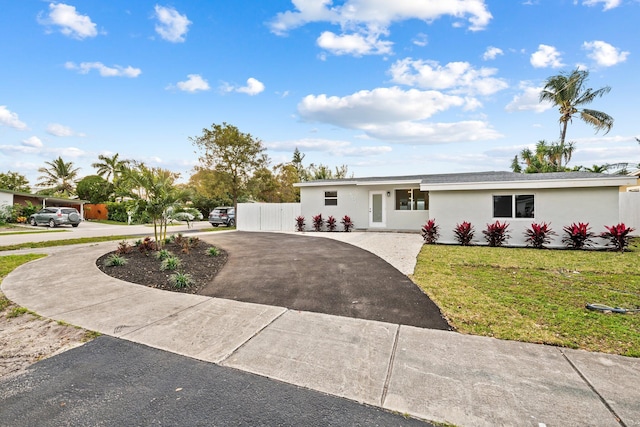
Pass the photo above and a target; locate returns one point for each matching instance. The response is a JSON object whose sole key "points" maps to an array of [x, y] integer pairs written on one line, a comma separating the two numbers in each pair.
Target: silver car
{"points": [[55, 216], [223, 215]]}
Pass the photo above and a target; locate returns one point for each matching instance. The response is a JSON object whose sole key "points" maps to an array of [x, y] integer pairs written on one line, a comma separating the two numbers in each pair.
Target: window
{"points": [[331, 198], [412, 199], [505, 206]]}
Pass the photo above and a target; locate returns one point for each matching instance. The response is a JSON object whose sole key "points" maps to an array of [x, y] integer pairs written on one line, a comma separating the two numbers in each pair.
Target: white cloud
{"points": [[172, 26], [380, 13], [528, 100], [363, 21], [61, 130], [492, 53], [421, 40], [354, 44], [30, 146], [333, 147], [395, 115], [32, 141], [546, 56], [71, 23], [604, 54], [253, 87], [194, 83], [115, 71], [8, 118], [421, 133], [458, 77], [608, 4]]}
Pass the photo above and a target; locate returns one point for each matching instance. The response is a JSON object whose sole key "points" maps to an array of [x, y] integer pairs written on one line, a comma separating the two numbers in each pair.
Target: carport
{"points": [[10, 198]]}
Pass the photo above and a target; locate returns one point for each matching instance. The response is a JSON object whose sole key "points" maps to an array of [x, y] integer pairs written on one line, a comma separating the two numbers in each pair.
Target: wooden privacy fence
{"points": [[267, 216]]}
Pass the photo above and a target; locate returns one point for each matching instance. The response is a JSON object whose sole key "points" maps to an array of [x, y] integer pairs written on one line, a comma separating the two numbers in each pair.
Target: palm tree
{"points": [[546, 158], [110, 167], [568, 93], [60, 177]]}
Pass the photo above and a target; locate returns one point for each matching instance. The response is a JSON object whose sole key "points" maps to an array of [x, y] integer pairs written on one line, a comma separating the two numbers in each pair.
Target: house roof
{"points": [[46, 198], [487, 180]]}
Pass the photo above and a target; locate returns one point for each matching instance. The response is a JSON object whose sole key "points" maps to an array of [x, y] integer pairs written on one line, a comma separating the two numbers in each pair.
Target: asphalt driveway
{"points": [[319, 275]]}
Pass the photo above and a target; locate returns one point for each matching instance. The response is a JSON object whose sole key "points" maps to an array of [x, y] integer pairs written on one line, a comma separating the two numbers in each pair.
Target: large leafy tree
{"points": [[567, 91], [230, 153], [14, 181], [94, 188], [59, 178]]}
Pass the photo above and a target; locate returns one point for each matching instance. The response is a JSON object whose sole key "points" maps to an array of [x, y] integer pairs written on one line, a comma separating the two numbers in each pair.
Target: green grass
{"points": [[536, 296], [52, 243]]}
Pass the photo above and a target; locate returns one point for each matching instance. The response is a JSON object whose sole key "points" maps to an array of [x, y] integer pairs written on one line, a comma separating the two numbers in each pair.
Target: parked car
{"points": [[223, 215], [55, 216]]}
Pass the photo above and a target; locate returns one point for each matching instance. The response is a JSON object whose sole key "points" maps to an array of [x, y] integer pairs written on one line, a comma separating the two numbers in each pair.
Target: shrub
{"points": [[331, 223], [318, 222], [213, 251], [188, 244], [181, 280], [163, 254], [170, 263], [147, 245], [300, 223], [496, 233], [539, 235], [464, 233], [578, 236], [430, 232], [115, 260], [346, 223], [124, 248], [617, 235]]}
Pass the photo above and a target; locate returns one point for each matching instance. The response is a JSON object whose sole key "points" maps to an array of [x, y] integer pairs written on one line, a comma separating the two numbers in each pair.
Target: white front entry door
{"points": [[377, 215]]}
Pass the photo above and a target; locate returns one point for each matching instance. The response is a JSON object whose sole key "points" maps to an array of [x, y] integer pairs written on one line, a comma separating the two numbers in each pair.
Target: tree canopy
{"points": [[14, 181], [567, 91], [59, 178], [230, 152]]}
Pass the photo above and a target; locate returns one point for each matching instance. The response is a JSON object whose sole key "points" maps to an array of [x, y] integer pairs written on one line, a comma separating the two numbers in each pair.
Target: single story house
{"points": [[9, 198], [405, 203]]}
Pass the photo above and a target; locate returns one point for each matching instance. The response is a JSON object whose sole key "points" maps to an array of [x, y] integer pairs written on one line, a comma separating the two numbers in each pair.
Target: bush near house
{"points": [[578, 236], [331, 223], [318, 222], [618, 236], [430, 232], [539, 235], [347, 224], [464, 233], [300, 223], [496, 233]]}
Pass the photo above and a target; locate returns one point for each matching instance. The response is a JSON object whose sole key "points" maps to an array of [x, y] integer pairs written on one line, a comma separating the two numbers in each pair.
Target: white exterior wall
{"points": [[6, 199], [630, 210], [353, 200], [559, 207], [267, 216]]}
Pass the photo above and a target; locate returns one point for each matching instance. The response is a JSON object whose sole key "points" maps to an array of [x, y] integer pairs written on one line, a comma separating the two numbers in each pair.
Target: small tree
{"points": [[430, 232], [578, 236], [347, 224], [539, 235], [617, 235], [318, 222], [496, 233], [463, 233]]}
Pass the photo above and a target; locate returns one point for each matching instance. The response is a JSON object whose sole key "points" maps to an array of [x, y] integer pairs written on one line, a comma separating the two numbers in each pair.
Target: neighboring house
{"points": [[9, 198], [405, 203]]}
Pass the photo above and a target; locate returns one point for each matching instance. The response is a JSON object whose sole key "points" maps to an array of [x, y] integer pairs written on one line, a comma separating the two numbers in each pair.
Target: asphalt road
{"points": [[112, 382]]}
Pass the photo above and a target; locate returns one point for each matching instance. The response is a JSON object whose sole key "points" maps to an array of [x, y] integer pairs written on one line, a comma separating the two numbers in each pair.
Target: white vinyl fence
{"points": [[267, 216], [630, 210]]}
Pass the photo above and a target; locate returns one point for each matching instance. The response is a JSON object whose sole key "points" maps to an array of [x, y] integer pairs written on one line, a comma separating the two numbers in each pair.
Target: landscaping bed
{"points": [[145, 268]]}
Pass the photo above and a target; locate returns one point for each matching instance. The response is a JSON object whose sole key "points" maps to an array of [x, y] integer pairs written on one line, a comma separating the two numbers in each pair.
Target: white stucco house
{"points": [[405, 203]]}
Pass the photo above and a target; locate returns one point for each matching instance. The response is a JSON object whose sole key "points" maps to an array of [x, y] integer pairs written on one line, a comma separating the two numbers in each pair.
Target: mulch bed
{"points": [[143, 268]]}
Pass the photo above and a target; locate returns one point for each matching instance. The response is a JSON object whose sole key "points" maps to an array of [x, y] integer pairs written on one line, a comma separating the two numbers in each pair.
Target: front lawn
{"points": [[535, 295]]}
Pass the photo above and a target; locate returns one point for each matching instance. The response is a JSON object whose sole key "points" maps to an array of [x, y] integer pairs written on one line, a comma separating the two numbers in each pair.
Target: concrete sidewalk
{"points": [[434, 375]]}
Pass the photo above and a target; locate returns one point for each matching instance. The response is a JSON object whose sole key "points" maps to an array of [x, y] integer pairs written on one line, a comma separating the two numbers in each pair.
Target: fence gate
{"points": [[267, 216]]}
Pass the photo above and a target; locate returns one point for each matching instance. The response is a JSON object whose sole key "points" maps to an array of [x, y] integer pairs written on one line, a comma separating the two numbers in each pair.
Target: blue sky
{"points": [[385, 87]]}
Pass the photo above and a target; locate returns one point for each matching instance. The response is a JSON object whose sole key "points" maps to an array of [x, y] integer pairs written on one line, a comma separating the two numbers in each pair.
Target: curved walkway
{"points": [[431, 374]]}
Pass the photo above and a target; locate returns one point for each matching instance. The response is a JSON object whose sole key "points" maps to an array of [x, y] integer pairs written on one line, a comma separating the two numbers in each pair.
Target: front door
{"points": [[377, 217]]}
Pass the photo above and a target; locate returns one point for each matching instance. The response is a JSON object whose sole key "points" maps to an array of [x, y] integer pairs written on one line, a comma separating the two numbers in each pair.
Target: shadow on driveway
{"points": [[319, 275]]}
